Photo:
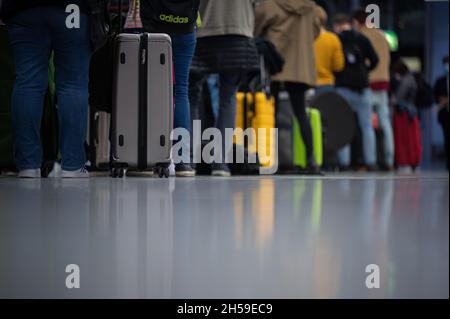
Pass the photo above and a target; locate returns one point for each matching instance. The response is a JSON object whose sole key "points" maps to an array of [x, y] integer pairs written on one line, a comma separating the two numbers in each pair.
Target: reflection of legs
{"points": [[31, 43], [380, 101], [297, 95]]}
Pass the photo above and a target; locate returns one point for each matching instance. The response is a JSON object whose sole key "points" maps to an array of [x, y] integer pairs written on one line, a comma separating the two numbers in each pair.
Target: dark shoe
{"points": [[220, 170], [313, 167], [184, 170], [373, 168]]}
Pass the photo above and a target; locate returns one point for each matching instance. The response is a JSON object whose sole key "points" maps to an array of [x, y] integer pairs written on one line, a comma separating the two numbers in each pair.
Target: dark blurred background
{"points": [[422, 28]]}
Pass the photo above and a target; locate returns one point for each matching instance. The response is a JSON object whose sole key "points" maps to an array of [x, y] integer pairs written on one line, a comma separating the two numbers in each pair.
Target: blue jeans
{"points": [[360, 102], [321, 89], [34, 34], [380, 102], [183, 52], [213, 84]]}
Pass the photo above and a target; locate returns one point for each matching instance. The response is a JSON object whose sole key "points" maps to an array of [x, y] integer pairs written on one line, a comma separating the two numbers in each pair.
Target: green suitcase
{"points": [[300, 159]]}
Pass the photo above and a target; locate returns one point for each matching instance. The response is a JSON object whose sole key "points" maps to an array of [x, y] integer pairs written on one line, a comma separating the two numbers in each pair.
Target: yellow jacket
{"points": [[329, 57]]}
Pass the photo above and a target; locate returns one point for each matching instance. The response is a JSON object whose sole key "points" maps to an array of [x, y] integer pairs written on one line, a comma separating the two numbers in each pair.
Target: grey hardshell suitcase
{"points": [[143, 106]]}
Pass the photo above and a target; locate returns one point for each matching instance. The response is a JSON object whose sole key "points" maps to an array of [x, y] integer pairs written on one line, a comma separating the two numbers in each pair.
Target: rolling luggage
{"points": [[143, 105], [99, 146], [257, 111], [408, 140], [300, 157]]}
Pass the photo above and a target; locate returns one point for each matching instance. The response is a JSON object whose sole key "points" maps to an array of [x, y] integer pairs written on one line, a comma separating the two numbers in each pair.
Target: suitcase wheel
{"points": [[118, 172], [162, 172]]}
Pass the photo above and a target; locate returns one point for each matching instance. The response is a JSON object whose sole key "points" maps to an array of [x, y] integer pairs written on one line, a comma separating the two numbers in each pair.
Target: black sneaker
{"points": [[220, 170], [184, 170]]}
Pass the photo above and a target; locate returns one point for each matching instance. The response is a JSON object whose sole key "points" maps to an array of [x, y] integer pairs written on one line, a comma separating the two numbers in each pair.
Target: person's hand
{"points": [[443, 102]]}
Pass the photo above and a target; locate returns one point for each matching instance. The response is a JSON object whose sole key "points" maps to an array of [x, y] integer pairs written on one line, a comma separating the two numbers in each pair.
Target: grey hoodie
{"points": [[227, 17]]}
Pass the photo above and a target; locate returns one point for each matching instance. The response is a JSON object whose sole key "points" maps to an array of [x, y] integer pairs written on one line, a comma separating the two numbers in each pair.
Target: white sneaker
{"points": [[56, 171], [80, 173], [30, 173]]}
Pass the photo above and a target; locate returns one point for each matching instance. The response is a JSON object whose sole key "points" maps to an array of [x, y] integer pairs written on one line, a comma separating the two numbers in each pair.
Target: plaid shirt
{"points": [[134, 17]]}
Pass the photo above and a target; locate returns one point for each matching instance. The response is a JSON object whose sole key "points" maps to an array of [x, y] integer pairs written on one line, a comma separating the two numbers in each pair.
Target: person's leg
{"points": [[322, 89], [364, 112], [72, 56], [443, 120], [344, 154], [228, 87], [183, 52], [380, 101], [30, 40], [297, 95], [213, 84]]}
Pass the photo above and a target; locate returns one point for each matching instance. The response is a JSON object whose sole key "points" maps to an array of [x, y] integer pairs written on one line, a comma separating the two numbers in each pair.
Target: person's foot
{"points": [[30, 173], [79, 173], [344, 169], [184, 170], [373, 168], [220, 170], [313, 167]]}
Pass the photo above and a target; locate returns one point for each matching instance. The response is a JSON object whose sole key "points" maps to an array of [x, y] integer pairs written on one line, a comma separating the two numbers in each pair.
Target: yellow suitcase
{"points": [[257, 111]]}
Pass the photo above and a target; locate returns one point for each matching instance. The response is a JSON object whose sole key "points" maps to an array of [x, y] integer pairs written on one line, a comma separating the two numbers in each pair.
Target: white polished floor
{"points": [[244, 237]]}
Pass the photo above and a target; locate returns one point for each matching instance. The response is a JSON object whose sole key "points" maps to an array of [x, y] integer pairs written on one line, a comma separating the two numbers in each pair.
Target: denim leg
{"points": [[361, 105], [213, 84], [31, 43], [72, 56], [364, 111], [183, 52], [344, 154], [228, 87], [380, 101]]}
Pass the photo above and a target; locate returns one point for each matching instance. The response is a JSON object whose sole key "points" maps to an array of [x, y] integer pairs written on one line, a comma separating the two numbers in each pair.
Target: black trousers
{"points": [[443, 120], [297, 93]]}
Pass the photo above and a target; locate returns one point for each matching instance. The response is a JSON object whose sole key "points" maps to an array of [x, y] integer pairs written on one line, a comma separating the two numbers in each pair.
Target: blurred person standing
{"points": [[293, 26], [441, 95], [37, 28], [406, 122], [353, 84], [329, 56], [225, 47], [379, 80], [180, 18]]}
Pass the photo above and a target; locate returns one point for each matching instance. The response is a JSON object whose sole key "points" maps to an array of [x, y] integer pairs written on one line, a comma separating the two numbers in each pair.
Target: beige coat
{"points": [[379, 42], [292, 26]]}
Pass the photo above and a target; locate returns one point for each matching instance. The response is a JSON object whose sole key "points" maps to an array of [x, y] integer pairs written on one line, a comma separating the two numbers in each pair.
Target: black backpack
{"points": [[424, 95]]}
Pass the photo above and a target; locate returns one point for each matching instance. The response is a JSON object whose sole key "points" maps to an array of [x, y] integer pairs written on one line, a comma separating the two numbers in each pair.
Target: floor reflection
{"points": [[274, 237]]}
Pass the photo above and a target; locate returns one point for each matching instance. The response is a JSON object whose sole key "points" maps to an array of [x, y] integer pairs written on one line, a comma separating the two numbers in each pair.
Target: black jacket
{"points": [[11, 7], [356, 76], [169, 16]]}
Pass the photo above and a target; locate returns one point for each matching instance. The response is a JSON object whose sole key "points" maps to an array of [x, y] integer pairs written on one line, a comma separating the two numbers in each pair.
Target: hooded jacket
{"points": [[227, 17], [292, 26]]}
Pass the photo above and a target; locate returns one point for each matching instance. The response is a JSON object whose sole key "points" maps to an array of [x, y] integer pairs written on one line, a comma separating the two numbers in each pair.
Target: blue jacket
{"points": [[11, 7]]}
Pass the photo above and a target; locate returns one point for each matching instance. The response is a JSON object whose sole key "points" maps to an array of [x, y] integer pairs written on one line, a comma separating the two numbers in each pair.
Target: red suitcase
{"points": [[408, 140]]}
